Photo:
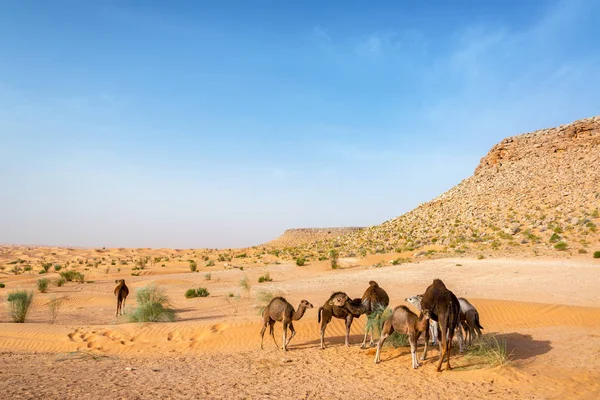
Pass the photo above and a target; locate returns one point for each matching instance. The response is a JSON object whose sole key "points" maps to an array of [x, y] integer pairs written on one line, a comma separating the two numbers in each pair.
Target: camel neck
{"points": [[299, 313]]}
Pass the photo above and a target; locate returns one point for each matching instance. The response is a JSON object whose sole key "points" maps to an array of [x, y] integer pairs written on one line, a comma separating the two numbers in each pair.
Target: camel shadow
{"points": [[523, 347], [330, 341]]}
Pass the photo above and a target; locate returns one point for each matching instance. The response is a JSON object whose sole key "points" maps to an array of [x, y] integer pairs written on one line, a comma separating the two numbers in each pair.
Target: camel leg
{"points": [[448, 351], [285, 326], [293, 333], [326, 319], [433, 328], [272, 331], [427, 331], [118, 308], [412, 338], [443, 348], [385, 332], [349, 319], [262, 333], [364, 342], [123, 306], [461, 339]]}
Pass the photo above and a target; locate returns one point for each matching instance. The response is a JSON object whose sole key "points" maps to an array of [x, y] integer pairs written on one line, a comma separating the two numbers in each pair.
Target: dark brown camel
{"points": [[405, 321], [121, 291], [444, 308], [334, 307], [374, 298], [280, 310]]}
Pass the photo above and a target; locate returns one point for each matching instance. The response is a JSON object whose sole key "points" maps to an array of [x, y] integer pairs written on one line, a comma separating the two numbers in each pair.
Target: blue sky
{"points": [[220, 124]]}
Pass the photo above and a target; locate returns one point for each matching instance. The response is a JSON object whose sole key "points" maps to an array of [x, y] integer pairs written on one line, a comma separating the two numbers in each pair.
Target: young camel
{"points": [[280, 310], [433, 325], [404, 321], [334, 307], [121, 291], [443, 306], [469, 318], [374, 298]]}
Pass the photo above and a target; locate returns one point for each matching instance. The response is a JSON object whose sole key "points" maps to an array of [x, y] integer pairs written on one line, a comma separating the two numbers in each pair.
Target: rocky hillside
{"points": [[538, 192], [299, 237]]}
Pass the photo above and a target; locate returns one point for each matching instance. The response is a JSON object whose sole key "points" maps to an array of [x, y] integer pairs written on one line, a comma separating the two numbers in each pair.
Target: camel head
{"points": [[121, 281], [414, 300], [339, 300], [306, 304], [427, 314]]}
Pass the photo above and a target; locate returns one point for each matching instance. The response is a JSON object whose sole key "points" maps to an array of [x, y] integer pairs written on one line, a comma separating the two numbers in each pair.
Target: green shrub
{"points": [[42, 285], [60, 282], [200, 292], [193, 265], [561, 246], [19, 303], [142, 262], [597, 254], [554, 238], [265, 278], [72, 276], [480, 257], [242, 255], [245, 285], [2, 285], [492, 351], [54, 308], [333, 256], [208, 276], [46, 266], [210, 263], [153, 305], [301, 261], [582, 251]]}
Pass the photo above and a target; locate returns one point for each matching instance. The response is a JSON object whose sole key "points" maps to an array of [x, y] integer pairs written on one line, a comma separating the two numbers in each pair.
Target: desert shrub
{"points": [[376, 319], [200, 292], [597, 254], [301, 261], [19, 303], [210, 263], [265, 278], [53, 309], [242, 255], [333, 256], [2, 285], [153, 305], [582, 251], [72, 276], [193, 265], [480, 257], [554, 238], [135, 274], [208, 276], [561, 246], [42, 285], [245, 285], [46, 266], [60, 281], [27, 268], [492, 351], [142, 263]]}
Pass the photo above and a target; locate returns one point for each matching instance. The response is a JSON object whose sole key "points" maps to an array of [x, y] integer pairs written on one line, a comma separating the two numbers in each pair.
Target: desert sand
{"points": [[547, 311]]}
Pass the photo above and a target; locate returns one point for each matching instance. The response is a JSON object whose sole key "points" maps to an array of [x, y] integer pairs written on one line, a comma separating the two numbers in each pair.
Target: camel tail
{"points": [[319, 314], [477, 321]]}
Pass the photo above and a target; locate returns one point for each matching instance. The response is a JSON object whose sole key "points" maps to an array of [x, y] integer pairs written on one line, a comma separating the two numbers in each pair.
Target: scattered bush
{"points": [[19, 303], [60, 282], [42, 285], [208, 276], [480, 257], [2, 285], [597, 254], [494, 352], [152, 306], [245, 285], [54, 308], [561, 246], [71, 276], [142, 262], [554, 238], [193, 265], [200, 292], [265, 278], [333, 256], [210, 263], [242, 255], [301, 261], [582, 251], [46, 266]]}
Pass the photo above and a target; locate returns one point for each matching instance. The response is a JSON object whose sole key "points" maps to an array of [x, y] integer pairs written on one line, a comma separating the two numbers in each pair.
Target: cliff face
{"points": [[532, 190]]}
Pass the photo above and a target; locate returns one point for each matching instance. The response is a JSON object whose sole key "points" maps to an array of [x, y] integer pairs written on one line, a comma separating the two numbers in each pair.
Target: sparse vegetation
{"points": [[54, 307], [153, 305], [301, 261], [491, 350], [561, 246], [200, 292], [57, 268], [265, 278], [207, 276], [193, 265], [210, 263], [19, 302], [60, 281], [597, 254], [42, 285], [245, 285], [333, 256], [73, 276], [2, 285]]}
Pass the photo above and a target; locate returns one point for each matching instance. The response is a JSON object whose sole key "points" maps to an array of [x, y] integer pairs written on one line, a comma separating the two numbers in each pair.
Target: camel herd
{"points": [[441, 315]]}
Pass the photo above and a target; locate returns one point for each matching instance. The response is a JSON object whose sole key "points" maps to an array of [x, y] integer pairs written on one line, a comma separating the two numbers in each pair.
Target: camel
{"points": [[334, 307], [433, 325], [280, 310], [405, 321], [373, 299], [444, 308], [469, 318], [121, 291]]}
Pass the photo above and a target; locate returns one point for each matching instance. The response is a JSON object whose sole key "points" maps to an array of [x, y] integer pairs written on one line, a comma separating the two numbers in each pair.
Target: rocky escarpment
{"points": [[538, 190]]}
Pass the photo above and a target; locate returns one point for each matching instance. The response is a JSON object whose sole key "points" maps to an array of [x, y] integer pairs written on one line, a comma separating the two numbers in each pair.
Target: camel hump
{"points": [[373, 283]]}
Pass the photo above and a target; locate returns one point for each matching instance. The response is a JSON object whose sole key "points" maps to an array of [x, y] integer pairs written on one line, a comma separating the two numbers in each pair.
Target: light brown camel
{"points": [[280, 310], [334, 307], [374, 298], [121, 291], [405, 321], [444, 308]]}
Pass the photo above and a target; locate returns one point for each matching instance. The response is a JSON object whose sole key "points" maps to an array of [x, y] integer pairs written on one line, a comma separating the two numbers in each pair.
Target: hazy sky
{"points": [[221, 124]]}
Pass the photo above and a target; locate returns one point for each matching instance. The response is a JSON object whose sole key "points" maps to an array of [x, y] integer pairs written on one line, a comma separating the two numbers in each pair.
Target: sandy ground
{"points": [[547, 311]]}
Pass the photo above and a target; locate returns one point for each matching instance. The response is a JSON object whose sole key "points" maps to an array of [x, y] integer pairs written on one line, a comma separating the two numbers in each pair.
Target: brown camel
{"points": [[374, 298], [121, 291], [334, 307], [405, 321], [280, 310], [444, 308]]}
